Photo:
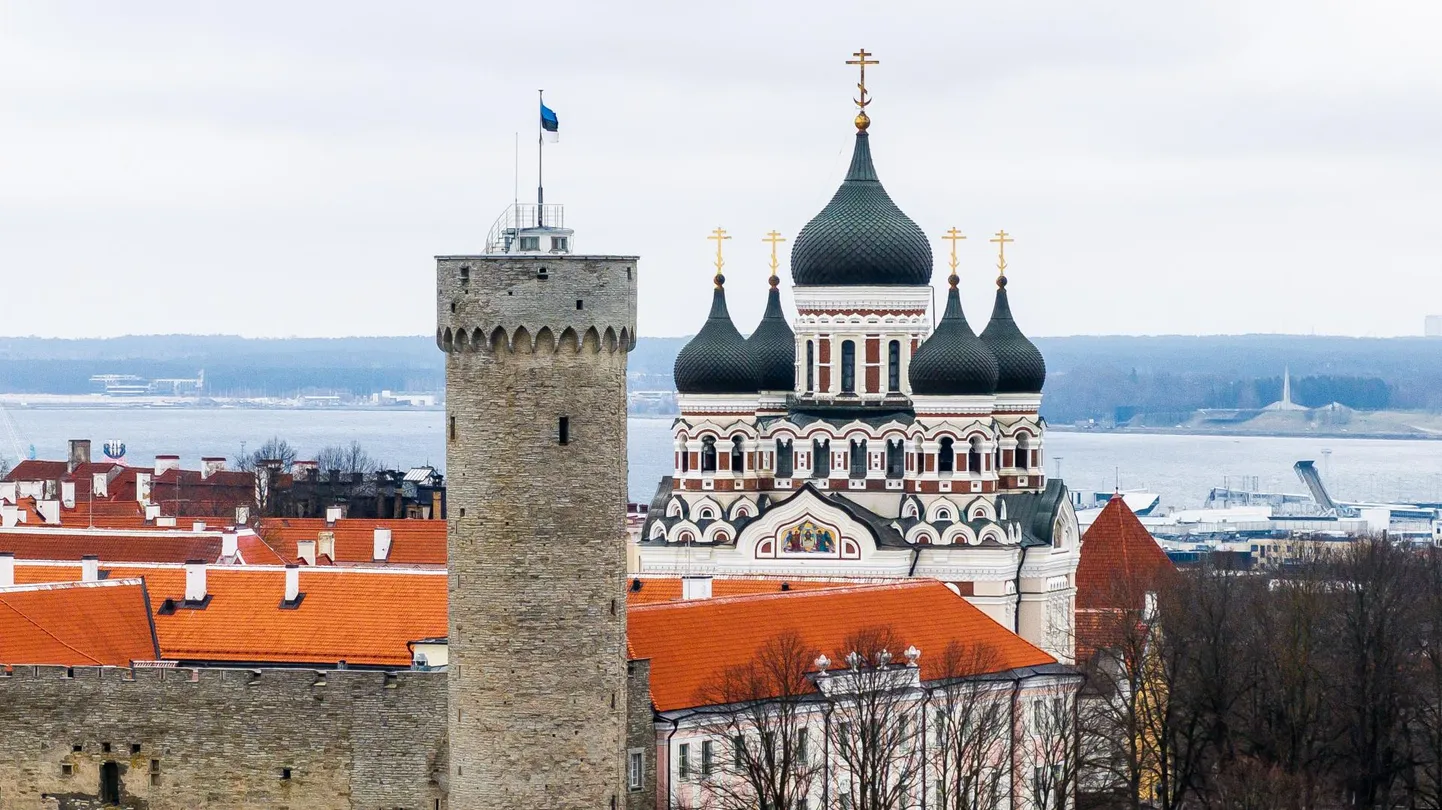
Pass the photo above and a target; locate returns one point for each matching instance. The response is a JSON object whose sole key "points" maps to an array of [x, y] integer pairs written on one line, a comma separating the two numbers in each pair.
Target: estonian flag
{"points": [[550, 125]]}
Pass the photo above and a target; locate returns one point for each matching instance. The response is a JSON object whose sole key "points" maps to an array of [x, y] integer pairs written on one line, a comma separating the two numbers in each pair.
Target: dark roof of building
{"points": [[773, 347], [861, 237], [803, 414], [953, 361], [1019, 364], [716, 361], [1036, 511]]}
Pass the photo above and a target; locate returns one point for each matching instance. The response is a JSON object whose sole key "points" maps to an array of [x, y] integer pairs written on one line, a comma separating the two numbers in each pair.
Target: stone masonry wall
{"points": [[641, 734], [536, 536], [223, 738]]}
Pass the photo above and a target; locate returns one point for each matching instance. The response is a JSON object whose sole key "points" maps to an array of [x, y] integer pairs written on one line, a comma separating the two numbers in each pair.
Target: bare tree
{"points": [[874, 704], [274, 449], [763, 709], [971, 728], [351, 458], [1049, 742]]}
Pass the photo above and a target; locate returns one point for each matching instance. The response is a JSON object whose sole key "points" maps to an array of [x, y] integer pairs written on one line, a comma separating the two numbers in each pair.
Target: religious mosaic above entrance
{"points": [[808, 538]]}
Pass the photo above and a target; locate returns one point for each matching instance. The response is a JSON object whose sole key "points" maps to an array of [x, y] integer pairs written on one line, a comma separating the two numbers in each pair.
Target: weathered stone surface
{"points": [[221, 738], [536, 526]]}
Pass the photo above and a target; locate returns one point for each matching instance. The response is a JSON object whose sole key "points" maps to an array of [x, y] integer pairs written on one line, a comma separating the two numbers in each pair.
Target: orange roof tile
{"points": [[668, 589], [413, 542], [61, 543], [1120, 561], [74, 624], [692, 643], [364, 617]]}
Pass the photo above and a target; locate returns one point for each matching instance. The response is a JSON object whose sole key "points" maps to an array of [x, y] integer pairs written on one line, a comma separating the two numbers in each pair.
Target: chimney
{"points": [[229, 544], [90, 568], [79, 454], [305, 470], [49, 512], [152, 512], [197, 526], [695, 588], [292, 583], [9, 491], [381, 545], [210, 465], [325, 545], [142, 487], [305, 550], [100, 485], [163, 463], [242, 515], [67, 494], [7, 569], [332, 514], [195, 581], [9, 515]]}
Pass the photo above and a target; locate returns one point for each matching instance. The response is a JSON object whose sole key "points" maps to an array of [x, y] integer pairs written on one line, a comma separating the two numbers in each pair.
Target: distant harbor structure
{"points": [[130, 385]]}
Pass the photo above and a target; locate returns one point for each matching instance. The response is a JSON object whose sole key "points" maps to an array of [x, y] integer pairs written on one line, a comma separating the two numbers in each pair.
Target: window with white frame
{"points": [[635, 769], [683, 760], [707, 762]]}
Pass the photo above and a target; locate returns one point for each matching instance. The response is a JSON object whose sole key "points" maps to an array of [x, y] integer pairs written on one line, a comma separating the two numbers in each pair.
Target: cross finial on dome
{"points": [[953, 236], [720, 236], [862, 120], [774, 238], [1001, 241]]}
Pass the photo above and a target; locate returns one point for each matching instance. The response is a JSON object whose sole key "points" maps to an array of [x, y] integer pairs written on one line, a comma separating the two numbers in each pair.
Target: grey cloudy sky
{"points": [[288, 168]]}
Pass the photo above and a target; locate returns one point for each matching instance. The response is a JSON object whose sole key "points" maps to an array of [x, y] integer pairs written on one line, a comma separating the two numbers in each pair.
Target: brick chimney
{"points": [[381, 545], [242, 515], [67, 494], [7, 569], [142, 488], [90, 568], [195, 581], [166, 462], [100, 485], [79, 454], [210, 465]]}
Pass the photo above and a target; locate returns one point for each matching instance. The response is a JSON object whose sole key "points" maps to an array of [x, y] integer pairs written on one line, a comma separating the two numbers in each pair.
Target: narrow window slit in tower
{"points": [[578, 304], [465, 275], [453, 428], [542, 274], [564, 430]]}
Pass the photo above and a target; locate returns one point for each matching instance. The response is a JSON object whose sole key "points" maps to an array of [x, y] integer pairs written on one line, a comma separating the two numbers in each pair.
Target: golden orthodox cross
{"points": [[953, 236], [1001, 241], [862, 62], [719, 235], [774, 238]]}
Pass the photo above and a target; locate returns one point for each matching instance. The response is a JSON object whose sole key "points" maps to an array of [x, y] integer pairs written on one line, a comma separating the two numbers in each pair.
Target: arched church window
{"points": [[810, 366], [685, 460], [738, 456], [946, 456], [973, 455], [784, 459], [821, 455], [858, 458], [895, 459], [708, 454], [893, 366], [1023, 452], [848, 366]]}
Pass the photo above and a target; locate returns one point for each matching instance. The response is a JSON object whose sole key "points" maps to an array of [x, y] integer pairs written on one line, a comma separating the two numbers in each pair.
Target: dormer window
{"points": [[530, 243], [560, 243]]}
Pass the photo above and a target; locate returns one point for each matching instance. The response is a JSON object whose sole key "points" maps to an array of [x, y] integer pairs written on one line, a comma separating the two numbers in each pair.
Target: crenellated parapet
{"points": [[533, 304]]}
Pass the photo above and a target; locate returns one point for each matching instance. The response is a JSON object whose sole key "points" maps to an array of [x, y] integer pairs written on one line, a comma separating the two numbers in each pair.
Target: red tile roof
{"points": [[691, 643], [60, 543], [668, 589], [32, 469], [413, 542], [75, 624], [1120, 561], [364, 617]]}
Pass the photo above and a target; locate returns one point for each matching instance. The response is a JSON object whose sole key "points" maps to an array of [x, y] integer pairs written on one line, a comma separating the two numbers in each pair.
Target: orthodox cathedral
{"points": [[857, 440]]}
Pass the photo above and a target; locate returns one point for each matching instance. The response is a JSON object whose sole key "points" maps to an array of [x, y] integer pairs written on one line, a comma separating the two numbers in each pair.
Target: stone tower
{"points": [[536, 339]]}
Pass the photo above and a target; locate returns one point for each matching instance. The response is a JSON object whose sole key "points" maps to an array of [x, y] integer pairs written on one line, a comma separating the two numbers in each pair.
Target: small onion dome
{"points": [[953, 361], [861, 237], [1019, 364], [716, 361], [773, 347]]}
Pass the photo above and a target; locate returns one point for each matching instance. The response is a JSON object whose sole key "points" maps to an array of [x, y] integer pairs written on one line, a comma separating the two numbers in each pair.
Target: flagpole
{"points": [[540, 159]]}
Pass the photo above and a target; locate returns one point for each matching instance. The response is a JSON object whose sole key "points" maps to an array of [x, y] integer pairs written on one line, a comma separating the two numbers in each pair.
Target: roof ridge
{"points": [[810, 592]]}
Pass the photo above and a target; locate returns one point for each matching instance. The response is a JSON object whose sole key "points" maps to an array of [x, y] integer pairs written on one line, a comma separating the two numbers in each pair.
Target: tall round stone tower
{"points": [[536, 339]]}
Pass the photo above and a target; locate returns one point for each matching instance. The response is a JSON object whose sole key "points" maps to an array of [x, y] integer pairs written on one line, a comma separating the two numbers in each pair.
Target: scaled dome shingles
{"points": [[717, 360], [1020, 367], [773, 348], [953, 361]]}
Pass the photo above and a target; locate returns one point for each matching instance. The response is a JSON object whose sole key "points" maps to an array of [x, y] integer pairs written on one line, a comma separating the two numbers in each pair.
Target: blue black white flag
{"points": [[550, 124]]}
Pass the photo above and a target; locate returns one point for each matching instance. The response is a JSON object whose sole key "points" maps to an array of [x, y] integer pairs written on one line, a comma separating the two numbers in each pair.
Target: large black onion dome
{"points": [[716, 361], [773, 348], [1020, 366], [861, 237], [953, 361]]}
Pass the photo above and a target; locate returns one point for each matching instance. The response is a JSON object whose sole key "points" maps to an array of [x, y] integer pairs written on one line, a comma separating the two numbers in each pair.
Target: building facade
{"points": [[857, 441]]}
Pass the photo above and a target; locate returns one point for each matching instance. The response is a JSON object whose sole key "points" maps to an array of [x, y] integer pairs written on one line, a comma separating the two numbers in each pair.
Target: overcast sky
{"points": [[291, 168]]}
